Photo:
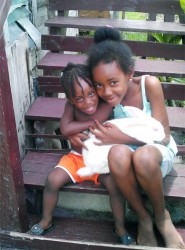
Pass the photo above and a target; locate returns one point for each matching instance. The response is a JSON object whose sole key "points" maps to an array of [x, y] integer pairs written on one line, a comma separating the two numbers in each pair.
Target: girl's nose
{"points": [[87, 100], [107, 91]]}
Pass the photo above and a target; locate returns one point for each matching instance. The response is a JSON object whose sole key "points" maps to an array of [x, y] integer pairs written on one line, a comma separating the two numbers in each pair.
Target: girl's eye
{"points": [[98, 86], [79, 99], [113, 83], [91, 94]]}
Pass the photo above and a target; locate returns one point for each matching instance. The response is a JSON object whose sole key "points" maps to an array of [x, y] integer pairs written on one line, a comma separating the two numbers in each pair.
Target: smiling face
{"points": [[111, 82], [86, 98]]}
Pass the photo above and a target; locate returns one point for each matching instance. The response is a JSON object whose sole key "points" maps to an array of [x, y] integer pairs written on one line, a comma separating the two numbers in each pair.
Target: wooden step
{"points": [[75, 234], [35, 173], [123, 24], [46, 108], [56, 61], [36, 167], [51, 109], [171, 7]]}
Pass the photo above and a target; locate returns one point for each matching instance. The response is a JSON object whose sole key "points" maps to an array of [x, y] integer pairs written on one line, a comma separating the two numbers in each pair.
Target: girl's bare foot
{"points": [[168, 231], [146, 236]]}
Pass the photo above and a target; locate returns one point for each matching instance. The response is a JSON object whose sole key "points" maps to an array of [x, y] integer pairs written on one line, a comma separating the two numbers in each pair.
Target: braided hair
{"points": [[70, 76]]}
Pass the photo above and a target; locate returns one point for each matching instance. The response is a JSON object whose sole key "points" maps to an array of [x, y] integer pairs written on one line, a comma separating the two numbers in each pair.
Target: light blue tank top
{"points": [[121, 112]]}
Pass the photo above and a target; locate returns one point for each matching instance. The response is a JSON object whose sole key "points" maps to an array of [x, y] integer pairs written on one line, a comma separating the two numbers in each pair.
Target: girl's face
{"points": [[86, 98], [111, 82]]}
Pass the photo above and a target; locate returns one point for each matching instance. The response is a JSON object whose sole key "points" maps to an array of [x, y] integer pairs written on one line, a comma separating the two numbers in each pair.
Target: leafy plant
{"points": [[182, 4], [167, 38]]}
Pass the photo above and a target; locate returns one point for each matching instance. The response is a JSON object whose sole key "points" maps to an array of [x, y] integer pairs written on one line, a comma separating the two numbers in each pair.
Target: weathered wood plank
{"points": [[157, 6], [56, 61], [176, 118], [47, 108], [171, 90], [46, 136], [75, 234], [123, 25], [174, 91], [181, 149], [139, 48], [52, 109], [12, 205], [35, 174], [50, 150]]}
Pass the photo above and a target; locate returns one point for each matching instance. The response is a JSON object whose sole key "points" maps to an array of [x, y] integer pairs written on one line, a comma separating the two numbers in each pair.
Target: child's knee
{"points": [[52, 181], [119, 157], [145, 162]]}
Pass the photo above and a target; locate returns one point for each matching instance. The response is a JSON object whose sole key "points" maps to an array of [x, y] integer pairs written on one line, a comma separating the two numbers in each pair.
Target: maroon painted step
{"points": [[36, 167], [56, 61]]}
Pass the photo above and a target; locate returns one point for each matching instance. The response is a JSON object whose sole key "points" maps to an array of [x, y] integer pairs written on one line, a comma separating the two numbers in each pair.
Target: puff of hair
{"points": [[106, 33]]}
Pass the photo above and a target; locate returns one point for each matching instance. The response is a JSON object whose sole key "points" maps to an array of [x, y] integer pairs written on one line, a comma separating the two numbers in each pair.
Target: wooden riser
{"points": [[139, 48], [52, 84]]}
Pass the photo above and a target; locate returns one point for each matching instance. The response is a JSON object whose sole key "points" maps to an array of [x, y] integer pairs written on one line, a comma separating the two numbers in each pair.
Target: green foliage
{"points": [[179, 80], [167, 38], [182, 4], [137, 36]]}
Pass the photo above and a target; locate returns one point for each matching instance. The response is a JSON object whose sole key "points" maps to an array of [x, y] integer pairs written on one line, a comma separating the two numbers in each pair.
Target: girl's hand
{"points": [[77, 140], [107, 133]]}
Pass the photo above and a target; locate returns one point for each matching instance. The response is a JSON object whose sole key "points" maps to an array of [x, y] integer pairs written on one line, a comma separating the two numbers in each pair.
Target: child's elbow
{"points": [[65, 132]]}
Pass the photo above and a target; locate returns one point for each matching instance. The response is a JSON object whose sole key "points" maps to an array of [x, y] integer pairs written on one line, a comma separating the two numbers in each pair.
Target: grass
{"points": [[137, 36]]}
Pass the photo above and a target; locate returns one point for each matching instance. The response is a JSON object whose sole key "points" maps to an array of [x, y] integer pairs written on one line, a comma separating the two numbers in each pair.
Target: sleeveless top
{"points": [[121, 112]]}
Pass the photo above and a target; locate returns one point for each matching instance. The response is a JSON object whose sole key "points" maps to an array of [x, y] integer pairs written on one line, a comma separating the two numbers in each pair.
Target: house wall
{"points": [[23, 53], [18, 58]]}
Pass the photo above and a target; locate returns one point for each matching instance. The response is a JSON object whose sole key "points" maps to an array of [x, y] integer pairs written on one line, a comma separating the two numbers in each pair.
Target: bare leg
{"points": [[120, 158], [147, 168], [169, 232], [56, 179], [117, 203]]}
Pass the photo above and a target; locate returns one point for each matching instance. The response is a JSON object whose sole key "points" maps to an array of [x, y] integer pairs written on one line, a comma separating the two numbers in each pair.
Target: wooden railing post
{"points": [[12, 197]]}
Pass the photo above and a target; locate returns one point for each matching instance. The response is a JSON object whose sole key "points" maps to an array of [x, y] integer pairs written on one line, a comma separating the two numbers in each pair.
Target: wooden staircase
{"points": [[84, 233]]}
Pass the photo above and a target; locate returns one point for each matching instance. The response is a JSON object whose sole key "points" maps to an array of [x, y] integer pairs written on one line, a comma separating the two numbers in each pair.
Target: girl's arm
{"points": [[111, 134], [68, 125], [155, 96]]}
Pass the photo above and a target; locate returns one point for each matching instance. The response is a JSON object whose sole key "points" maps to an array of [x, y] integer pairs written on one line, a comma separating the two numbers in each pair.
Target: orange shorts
{"points": [[71, 163]]}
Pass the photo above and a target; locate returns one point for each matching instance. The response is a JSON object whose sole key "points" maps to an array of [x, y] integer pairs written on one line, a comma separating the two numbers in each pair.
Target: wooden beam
{"points": [[12, 199], [171, 6]]}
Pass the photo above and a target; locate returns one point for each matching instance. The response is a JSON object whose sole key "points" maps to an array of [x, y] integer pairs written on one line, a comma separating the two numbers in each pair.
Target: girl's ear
{"points": [[131, 73], [69, 100]]}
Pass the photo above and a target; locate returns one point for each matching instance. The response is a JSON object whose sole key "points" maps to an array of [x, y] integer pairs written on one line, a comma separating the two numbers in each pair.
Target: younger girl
{"points": [[82, 107], [131, 163]]}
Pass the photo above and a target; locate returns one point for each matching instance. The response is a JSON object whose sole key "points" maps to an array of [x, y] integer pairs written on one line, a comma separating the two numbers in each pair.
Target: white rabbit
{"points": [[140, 126]]}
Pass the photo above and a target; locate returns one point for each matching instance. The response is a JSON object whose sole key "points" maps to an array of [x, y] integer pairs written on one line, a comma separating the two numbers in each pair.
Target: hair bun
{"points": [[106, 33]]}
